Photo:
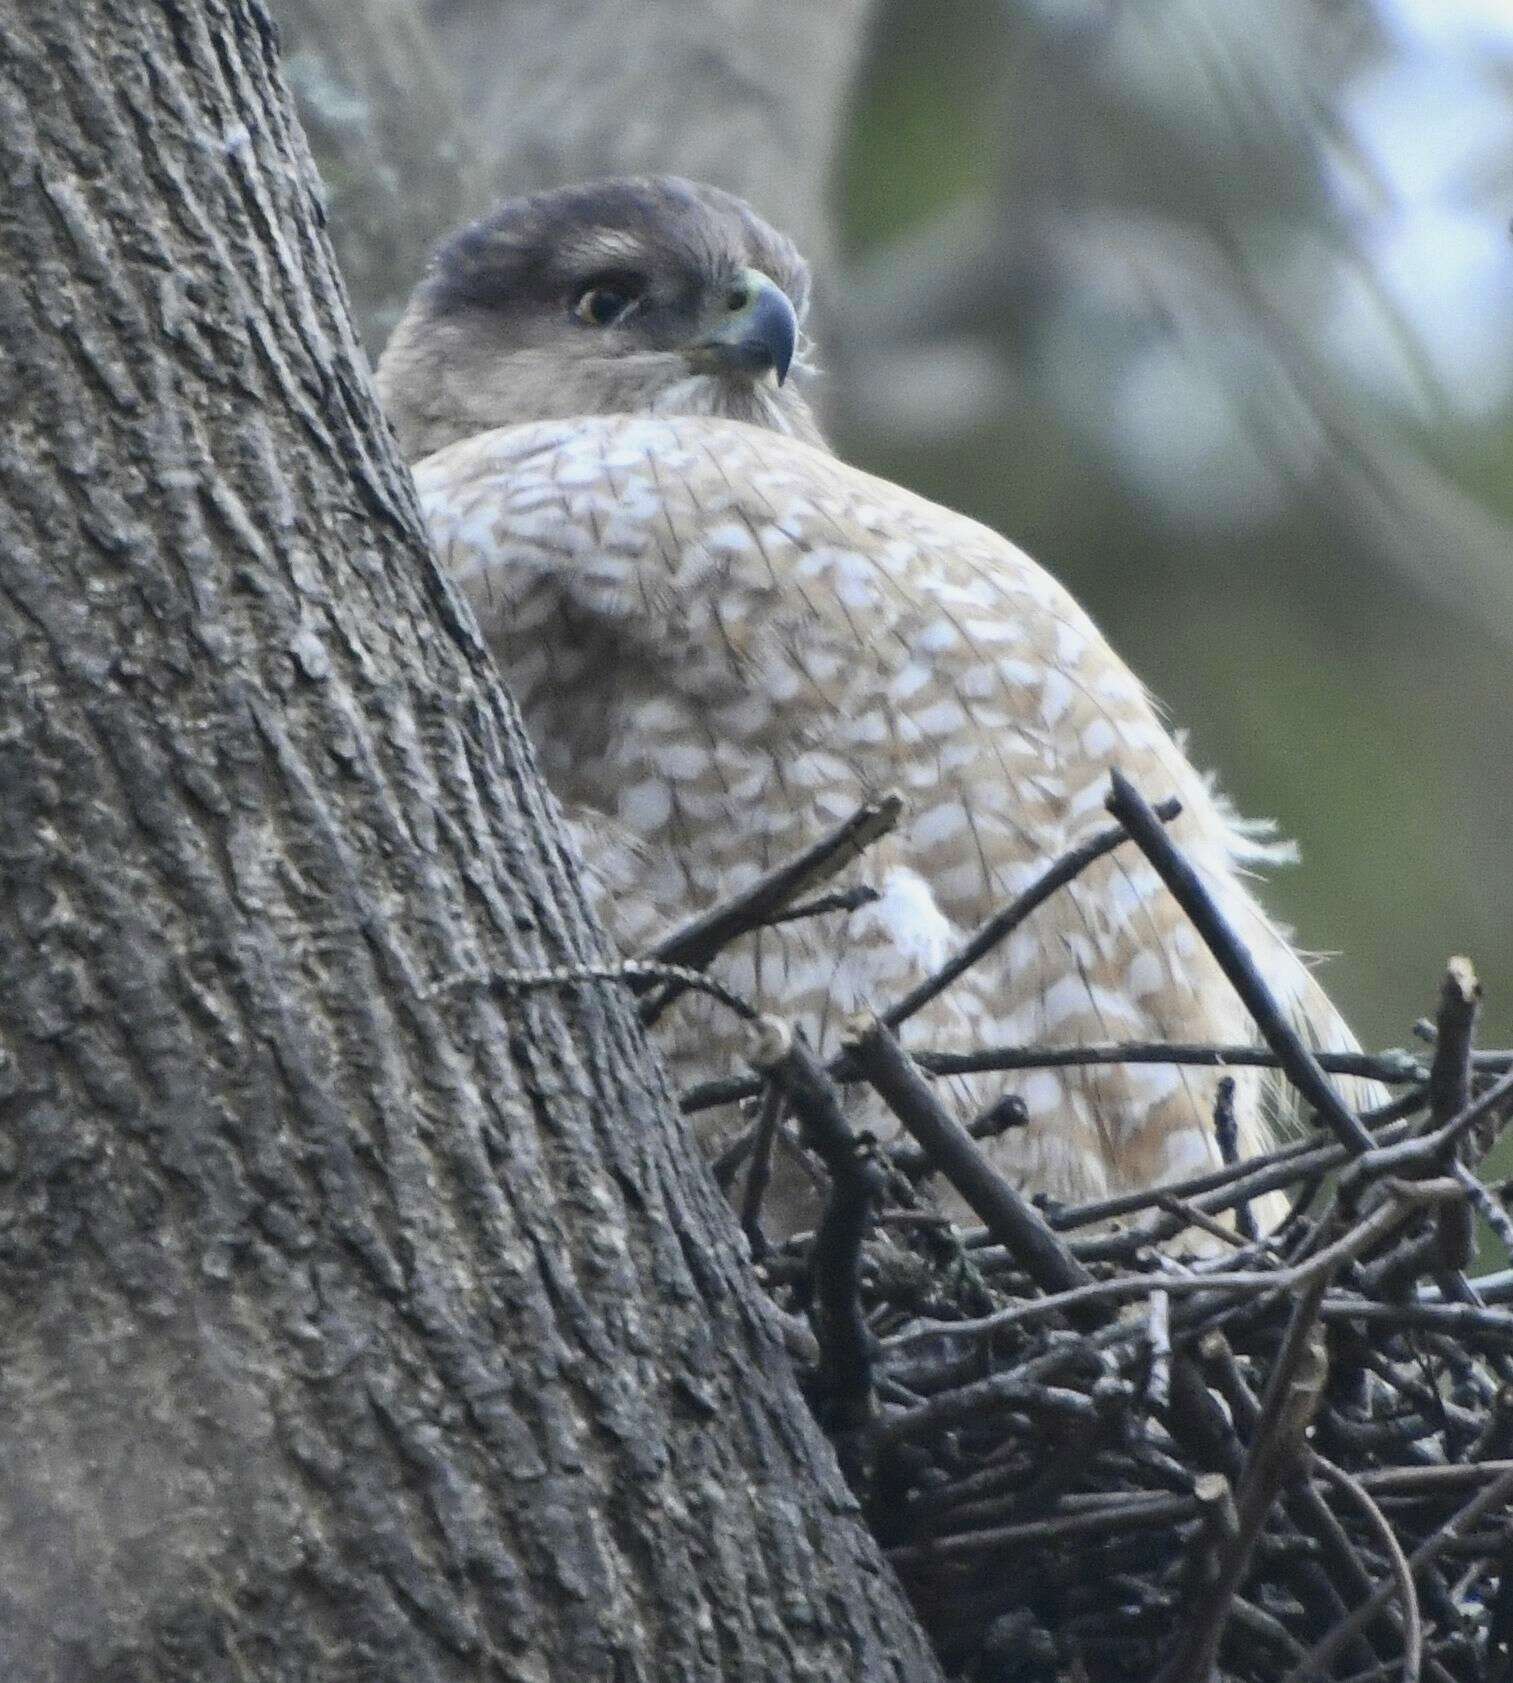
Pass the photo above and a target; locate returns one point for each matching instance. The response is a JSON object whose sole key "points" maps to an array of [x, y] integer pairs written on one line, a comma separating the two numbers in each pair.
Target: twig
{"points": [[759, 1173], [1276, 1169], [635, 973], [1222, 1371], [1219, 1519], [1318, 1657], [1003, 1391], [1429, 1150], [1430, 1481], [700, 940], [1159, 1331], [1407, 1198], [1496, 1287], [1350, 1578], [847, 1346], [1004, 923], [1227, 1136], [848, 1349], [1449, 1086], [1450, 1093], [1254, 1621], [1486, 1206], [1190, 1215], [1010, 1218], [703, 937], [1467, 1320], [1119, 1514], [1389, 1068], [1108, 1294], [1280, 1442], [1306, 1507], [1187, 888], [1005, 1112], [726, 1166], [842, 900], [1413, 1625]]}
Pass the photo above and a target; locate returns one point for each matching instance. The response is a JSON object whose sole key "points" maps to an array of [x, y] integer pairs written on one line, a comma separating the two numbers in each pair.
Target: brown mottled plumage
{"points": [[489, 338], [723, 639]]}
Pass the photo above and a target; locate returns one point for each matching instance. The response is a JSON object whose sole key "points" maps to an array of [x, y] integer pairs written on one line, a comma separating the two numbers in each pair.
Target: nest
{"points": [[1139, 1438], [1089, 1451]]}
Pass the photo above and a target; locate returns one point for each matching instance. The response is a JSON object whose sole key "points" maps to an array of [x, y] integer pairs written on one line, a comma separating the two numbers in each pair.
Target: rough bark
{"points": [[349, 1329]]}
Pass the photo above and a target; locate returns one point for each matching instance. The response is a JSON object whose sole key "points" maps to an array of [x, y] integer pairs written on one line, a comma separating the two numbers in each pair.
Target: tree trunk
{"points": [[352, 1327]]}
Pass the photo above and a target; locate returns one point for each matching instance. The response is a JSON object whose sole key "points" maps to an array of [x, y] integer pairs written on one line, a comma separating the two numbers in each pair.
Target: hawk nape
{"points": [[724, 639]]}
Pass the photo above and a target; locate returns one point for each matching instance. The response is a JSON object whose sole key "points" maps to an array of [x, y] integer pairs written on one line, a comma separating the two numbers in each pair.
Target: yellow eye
{"points": [[606, 304]]}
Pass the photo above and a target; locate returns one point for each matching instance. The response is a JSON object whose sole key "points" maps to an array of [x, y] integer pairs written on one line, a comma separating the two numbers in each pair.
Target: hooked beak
{"points": [[757, 330]]}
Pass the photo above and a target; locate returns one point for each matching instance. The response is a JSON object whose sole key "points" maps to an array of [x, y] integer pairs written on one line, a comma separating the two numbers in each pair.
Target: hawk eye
{"points": [[608, 300]]}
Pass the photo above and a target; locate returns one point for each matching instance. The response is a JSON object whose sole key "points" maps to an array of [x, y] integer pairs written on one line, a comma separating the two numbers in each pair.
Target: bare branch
{"points": [[1301, 1067], [701, 940], [1002, 924], [1011, 1220], [1493, 1495]]}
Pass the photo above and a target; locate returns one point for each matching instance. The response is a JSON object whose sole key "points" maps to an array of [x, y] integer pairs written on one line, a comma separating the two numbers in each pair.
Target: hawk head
{"points": [[645, 295]]}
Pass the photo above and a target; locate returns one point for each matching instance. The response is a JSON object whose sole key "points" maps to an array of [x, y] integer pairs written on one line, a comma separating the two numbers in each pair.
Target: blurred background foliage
{"points": [[1208, 305]]}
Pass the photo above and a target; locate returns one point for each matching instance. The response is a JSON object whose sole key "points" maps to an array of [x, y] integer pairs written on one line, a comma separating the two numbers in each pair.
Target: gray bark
{"points": [[348, 1329]]}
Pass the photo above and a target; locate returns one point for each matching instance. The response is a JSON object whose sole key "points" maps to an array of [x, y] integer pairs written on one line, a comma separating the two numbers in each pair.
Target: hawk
{"points": [[724, 639]]}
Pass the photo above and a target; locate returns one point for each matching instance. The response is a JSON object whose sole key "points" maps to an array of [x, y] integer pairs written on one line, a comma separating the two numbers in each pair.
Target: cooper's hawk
{"points": [[724, 639]]}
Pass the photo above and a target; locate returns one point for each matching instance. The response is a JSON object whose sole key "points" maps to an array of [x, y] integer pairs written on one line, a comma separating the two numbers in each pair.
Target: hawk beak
{"points": [[757, 330]]}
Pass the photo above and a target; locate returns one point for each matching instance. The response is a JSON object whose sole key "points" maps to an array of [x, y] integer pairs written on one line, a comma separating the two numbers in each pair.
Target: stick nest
{"points": [[1140, 1439]]}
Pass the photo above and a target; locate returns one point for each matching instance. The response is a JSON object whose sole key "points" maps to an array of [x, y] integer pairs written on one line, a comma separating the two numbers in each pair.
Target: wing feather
{"points": [[724, 639]]}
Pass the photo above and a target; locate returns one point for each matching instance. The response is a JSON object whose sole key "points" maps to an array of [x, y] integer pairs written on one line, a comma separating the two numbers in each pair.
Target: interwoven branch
{"points": [[1088, 1452]]}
